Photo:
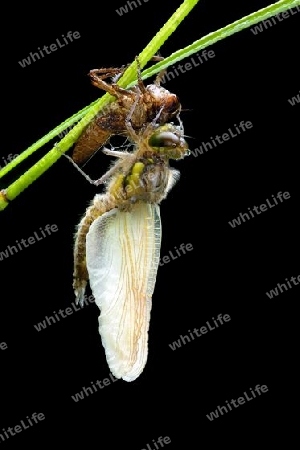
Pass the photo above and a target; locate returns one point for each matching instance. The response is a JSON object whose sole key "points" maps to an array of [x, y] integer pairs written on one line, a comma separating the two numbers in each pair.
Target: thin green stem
{"points": [[55, 153], [177, 56], [220, 34], [45, 139], [129, 79]]}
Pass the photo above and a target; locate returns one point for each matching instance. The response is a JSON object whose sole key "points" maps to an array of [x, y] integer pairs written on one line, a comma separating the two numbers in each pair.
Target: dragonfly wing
{"points": [[123, 250]]}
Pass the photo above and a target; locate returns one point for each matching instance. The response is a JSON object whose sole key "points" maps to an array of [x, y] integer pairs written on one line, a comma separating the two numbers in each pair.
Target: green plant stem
{"points": [[45, 139], [222, 33], [55, 153], [127, 80], [128, 76]]}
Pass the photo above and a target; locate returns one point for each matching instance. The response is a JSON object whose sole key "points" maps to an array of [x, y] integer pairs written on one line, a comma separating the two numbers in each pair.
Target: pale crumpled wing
{"points": [[123, 250]]}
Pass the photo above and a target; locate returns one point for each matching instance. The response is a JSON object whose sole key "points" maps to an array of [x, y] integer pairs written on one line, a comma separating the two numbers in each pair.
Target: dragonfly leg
{"points": [[99, 75]]}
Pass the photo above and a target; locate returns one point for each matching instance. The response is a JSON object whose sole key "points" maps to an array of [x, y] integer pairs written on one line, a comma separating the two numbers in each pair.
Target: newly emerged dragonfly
{"points": [[117, 245], [144, 102]]}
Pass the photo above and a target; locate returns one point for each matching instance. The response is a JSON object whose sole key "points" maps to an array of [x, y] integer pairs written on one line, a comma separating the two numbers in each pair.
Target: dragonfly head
{"points": [[168, 141]]}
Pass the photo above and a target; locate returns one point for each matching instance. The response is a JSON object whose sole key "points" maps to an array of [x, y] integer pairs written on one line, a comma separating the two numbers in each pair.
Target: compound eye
{"points": [[164, 139]]}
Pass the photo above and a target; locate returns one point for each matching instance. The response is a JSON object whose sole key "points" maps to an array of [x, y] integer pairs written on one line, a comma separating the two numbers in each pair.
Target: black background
{"points": [[229, 271]]}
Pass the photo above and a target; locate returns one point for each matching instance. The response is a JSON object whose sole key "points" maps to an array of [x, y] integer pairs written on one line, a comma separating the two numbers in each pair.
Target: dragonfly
{"points": [[118, 240], [143, 101]]}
